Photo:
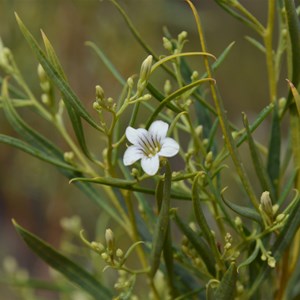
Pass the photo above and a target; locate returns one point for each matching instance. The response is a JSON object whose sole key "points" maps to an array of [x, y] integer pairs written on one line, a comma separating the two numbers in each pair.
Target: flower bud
{"points": [[146, 97], [193, 226], [234, 134], [96, 106], [280, 218], [45, 86], [167, 87], [146, 68], [282, 103], [105, 256], [227, 246], [99, 93], [263, 257], [69, 156], [167, 44], [228, 237], [199, 130], [194, 76], [134, 172], [130, 82], [208, 160], [266, 204], [110, 239], [182, 36], [45, 99], [238, 221], [205, 142], [119, 253], [271, 262], [97, 246]]}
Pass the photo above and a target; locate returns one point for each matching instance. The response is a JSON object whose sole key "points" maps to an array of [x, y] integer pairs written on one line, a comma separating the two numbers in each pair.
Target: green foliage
{"points": [[222, 247]]}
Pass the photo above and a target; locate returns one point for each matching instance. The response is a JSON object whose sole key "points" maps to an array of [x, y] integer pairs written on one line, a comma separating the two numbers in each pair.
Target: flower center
{"points": [[150, 145], [150, 152]]}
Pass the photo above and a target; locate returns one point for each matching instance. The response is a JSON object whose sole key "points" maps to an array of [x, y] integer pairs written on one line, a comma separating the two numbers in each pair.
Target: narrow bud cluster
{"points": [[144, 74], [46, 87], [103, 103]]}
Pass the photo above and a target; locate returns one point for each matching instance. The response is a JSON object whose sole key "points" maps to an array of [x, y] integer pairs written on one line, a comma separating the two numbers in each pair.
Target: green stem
{"points": [[268, 39], [223, 118]]}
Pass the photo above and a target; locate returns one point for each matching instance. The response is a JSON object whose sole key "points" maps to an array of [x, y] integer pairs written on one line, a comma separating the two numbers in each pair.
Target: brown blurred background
{"points": [[34, 193]]}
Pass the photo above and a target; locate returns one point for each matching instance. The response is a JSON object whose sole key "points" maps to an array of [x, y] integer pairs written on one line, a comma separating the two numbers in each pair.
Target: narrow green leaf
{"points": [[198, 243], [53, 57], [130, 185], [288, 186], [242, 15], [222, 57], [256, 44], [65, 266], [273, 164], [77, 127], [227, 287], [159, 190], [74, 116], [257, 161], [260, 118], [295, 95], [16, 143], [244, 211], [161, 61], [110, 181], [162, 225], [250, 258], [68, 94]]}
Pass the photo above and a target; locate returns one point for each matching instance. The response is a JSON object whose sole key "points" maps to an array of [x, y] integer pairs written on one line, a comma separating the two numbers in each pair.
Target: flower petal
{"points": [[132, 154], [158, 130], [133, 135], [169, 147], [150, 165]]}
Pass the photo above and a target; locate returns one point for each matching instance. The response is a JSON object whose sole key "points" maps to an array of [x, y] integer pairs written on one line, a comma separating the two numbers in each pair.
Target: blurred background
{"points": [[34, 193]]}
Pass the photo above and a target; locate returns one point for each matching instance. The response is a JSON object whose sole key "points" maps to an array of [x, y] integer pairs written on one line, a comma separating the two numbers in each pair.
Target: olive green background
{"points": [[34, 193]]}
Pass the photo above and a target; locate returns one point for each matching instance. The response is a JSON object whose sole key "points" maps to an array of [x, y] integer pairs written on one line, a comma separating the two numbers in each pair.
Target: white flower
{"points": [[149, 146]]}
